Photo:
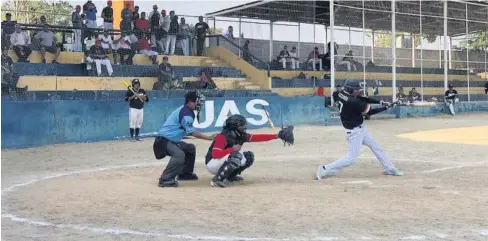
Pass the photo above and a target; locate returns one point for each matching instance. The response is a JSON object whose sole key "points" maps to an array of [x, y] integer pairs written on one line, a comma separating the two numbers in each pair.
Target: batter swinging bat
{"points": [[131, 89], [269, 119]]}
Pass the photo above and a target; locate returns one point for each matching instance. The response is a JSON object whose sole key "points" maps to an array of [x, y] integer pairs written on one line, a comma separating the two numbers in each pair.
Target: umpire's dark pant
{"points": [[182, 160]]}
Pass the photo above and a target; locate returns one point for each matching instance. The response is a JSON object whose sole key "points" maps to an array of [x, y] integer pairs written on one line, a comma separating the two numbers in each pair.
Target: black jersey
{"points": [[450, 94], [351, 109], [136, 103]]}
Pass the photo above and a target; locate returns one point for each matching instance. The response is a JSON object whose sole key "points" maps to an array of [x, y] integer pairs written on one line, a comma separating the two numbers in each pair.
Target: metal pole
{"points": [[332, 53], [314, 33], [467, 51], [372, 46], [270, 41], [445, 44], [298, 47], [421, 57], [412, 37], [393, 49], [450, 52], [240, 34], [350, 38], [440, 53], [364, 49]]}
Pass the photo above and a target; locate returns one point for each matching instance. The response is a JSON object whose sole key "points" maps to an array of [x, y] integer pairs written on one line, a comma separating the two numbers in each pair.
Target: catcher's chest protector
{"points": [[233, 138]]}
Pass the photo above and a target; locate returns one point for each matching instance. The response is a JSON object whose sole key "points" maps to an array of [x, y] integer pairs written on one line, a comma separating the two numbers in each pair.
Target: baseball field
{"points": [[108, 190]]}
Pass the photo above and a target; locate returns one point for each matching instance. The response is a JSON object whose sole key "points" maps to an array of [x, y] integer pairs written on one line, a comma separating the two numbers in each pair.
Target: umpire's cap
{"points": [[352, 84]]}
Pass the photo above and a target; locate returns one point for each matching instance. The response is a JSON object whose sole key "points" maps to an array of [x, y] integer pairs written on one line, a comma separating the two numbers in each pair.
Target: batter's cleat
{"points": [[188, 177], [171, 183], [132, 139], [237, 178], [393, 172], [138, 138], [320, 173]]}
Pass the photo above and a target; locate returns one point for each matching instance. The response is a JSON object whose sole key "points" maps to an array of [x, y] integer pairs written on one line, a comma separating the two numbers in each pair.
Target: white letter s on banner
{"points": [[251, 109]]}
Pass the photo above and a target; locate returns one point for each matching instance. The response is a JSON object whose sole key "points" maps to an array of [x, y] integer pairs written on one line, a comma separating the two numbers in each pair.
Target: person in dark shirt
{"points": [[351, 108], [335, 94], [108, 16], [201, 29], [486, 87], [246, 53], [172, 33], [450, 98], [8, 28], [126, 13], [413, 95], [8, 84], [401, 97], [135, 15], [136, 101], [166, 75]]}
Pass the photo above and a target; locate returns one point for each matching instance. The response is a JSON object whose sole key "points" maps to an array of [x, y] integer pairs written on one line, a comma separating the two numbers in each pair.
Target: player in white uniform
{"points": [[136, 111], [351, 108]]}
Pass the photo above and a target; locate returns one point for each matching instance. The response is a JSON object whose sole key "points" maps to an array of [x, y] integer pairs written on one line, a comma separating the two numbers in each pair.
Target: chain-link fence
{"points": [[412, 50]]}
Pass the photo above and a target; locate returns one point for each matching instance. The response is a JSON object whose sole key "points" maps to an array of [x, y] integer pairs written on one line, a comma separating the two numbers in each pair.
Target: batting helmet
{"points": [[451, 86], [236, 123], [135, 81], [352, 84]]}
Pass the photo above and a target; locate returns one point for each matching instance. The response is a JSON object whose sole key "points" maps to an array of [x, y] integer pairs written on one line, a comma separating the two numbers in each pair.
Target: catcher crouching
{"points": [[225, 159]]}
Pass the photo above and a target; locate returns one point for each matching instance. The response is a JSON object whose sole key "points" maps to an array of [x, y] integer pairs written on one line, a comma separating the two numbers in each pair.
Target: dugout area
{"points": [[108, 190]]}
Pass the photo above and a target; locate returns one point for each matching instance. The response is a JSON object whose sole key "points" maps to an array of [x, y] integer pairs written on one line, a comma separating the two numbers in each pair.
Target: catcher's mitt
{"points": [[286, 135]]}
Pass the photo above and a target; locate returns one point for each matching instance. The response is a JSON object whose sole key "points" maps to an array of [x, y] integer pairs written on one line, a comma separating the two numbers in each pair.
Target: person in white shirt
{"points": [[313, 58], [164, 28], [295, 61], [123, 48], [107, 44], [20, 41], [229, 33]]}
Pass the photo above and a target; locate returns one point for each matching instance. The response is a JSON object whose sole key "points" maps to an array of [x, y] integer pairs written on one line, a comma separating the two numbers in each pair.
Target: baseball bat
{"points": [[269, 118], [131, 89]]}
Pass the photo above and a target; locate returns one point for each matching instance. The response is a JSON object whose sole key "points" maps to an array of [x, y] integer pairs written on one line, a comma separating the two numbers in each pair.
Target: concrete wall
{"points": [[41, 123]]}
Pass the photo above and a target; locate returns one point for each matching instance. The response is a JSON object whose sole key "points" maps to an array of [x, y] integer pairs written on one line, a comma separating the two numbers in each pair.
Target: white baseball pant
{"points": [[170, 44], [98, 64], [136, 117], [214, 165], [450, 103], [108, 25], [355, 139]]}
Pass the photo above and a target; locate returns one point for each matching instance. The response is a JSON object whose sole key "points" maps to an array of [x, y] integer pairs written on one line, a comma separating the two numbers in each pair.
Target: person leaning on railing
{"points": [[77, 23], [201, 29]]}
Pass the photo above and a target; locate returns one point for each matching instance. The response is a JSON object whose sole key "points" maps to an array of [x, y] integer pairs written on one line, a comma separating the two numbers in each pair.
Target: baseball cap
{"points": [[163, 11], [78, 7], [155, 6]]}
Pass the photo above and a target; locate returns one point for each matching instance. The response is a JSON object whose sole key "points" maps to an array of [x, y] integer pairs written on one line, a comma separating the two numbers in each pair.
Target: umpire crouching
{"points": [[168, 143]]}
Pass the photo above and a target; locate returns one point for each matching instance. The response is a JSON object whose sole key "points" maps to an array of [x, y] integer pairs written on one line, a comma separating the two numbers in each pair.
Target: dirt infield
{"points": [[108, 191]]}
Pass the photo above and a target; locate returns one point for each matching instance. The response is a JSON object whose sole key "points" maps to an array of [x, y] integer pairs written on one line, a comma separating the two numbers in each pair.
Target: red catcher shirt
{"points": [[220, 143], [144, 44], [142, 24]]}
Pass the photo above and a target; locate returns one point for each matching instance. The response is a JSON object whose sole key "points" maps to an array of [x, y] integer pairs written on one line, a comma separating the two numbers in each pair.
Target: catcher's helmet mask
{"points": [[198, 98], [237, 123]]}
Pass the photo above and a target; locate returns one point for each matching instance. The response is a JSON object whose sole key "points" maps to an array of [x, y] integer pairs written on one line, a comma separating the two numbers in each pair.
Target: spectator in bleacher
{"points": [[135, 15], [125, 13], [172, 32], [184, 33], [335, 94], [401, 97], [154, 19], [77, 23], [20, 41], [295, 61], [124, 46], [413, 95], [126, 25], [142, 24], [146, 50], [90, 10], [201, 30], [166, 76], [107, 44], [99, 56], [314, 58], [486, 87], [284, 56], [229, 33], [8, 83], [246, 53], [206, 80], [347, 61], [8, 28], [162, 33], [48, 43], [108, 16]]}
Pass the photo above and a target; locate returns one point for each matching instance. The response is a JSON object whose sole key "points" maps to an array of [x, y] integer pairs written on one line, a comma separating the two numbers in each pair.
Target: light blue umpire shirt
{"points": [[178, 125]]}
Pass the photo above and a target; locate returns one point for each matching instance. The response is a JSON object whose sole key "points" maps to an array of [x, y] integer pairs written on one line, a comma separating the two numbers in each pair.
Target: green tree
{"points": [[476, 41], [384, 39], [29, 11]]}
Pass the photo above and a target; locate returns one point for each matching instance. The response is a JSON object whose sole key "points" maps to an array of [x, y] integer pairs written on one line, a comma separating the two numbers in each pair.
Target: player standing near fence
{"points": [[450, 98], [351, 108], [136, 101], [168, 143]]}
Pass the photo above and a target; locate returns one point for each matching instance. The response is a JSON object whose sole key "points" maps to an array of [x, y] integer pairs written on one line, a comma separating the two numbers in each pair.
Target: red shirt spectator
{"points": [[142, 23], [144, 44]]}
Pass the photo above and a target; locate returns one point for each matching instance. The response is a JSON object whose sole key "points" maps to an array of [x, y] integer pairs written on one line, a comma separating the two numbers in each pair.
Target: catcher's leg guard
{"points": [[234, 177], [228, 167]]}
